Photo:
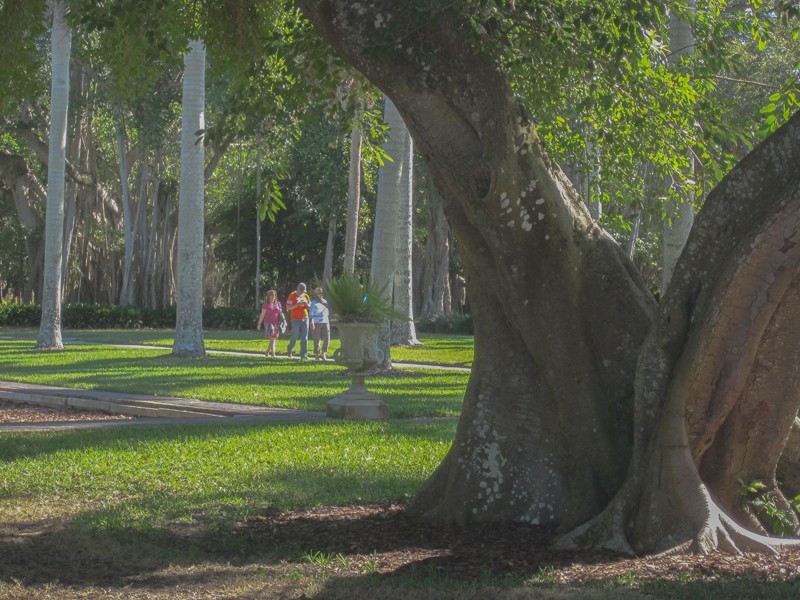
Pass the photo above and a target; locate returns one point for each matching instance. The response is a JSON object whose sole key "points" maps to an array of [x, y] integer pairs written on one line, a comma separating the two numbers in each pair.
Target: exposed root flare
{"points": [[721, 533], [718, 532], [605, 532]]}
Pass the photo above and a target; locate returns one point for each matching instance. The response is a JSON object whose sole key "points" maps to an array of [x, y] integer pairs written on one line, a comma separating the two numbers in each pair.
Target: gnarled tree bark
{"points": [[582, 411]]}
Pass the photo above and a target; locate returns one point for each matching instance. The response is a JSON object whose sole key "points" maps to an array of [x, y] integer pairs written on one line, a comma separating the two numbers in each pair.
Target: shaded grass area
{"points": [[108, 506], [256, 380], [437, 349]]}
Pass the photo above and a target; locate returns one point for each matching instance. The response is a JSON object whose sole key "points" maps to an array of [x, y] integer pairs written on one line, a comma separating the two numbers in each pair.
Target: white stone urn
{"points": [[359, 353]]}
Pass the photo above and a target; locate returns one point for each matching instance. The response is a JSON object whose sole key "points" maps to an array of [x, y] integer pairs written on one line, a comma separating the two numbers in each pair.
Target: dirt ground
{"points": [[348, 552]]}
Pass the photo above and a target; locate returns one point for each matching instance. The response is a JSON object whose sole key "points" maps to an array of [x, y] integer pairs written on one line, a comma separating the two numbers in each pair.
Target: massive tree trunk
{"points": [[717, 383], [61, 43], [545, 432], [788, 470], [550, 432], [191, 239]]}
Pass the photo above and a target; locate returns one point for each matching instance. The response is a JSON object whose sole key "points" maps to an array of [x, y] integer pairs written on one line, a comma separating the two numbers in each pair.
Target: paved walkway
{"points": [[151, 410], [398, 365]]}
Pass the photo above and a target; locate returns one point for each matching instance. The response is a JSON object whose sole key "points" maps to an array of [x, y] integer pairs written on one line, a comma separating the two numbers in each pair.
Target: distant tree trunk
{"points": [[591, 181], [25, 189], [258, 228], [126, 294], [61, 42], [353, 202], [140, 241], [386, 234], [150, 263], [327, 269], [435, 279], [403, 331], [680, 213], [191, 239]]}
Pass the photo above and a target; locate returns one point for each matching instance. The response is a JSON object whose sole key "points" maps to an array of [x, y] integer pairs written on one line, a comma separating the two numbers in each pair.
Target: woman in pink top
{"points": [[271, 313]]}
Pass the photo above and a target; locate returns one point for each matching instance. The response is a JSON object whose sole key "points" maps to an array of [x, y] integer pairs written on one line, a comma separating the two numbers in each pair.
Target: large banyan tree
{"points": [[625, 424]]}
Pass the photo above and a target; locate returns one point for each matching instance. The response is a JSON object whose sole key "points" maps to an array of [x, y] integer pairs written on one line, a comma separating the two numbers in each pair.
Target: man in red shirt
{"points": [[298, 303]]}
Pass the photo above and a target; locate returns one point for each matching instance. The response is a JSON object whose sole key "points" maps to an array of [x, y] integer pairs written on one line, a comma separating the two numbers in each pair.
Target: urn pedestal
{"points": [[359, 353]]}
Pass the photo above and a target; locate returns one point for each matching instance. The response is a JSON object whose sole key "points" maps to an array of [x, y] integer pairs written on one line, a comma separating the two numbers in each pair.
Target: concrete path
{"points": [[151, 410]]}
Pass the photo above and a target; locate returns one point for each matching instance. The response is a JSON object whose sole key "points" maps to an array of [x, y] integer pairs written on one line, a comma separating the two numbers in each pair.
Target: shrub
{"points": [[453, 324], [20, 315], [159, 318], [96, 316], [229, 318]]}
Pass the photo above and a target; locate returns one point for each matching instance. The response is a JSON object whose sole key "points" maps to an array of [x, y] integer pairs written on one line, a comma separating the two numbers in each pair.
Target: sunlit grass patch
{"points": [[255, 380]]}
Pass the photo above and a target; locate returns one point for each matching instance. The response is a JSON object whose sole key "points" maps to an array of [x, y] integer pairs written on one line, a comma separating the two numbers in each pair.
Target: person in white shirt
{"points": [[320, 321]]}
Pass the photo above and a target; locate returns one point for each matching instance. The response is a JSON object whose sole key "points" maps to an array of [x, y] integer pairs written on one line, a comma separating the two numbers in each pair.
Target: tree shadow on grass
{"points": [[376, 550]]}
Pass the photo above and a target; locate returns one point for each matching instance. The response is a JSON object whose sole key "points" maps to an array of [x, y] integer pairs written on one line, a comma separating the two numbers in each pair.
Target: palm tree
{"points": [[353, 201], [61, 43], [391, 215], [680, 213], [189, 324]]}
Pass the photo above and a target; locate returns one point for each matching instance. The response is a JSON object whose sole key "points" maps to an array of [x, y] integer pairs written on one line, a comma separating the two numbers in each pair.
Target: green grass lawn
{"points": [[154, 477], [164, 513], [274, 382], [437, 349], [180, 512], [115, 504]]}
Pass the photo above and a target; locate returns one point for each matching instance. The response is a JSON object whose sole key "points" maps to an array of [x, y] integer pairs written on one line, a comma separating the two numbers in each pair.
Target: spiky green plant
{"points": [[359, 299]]}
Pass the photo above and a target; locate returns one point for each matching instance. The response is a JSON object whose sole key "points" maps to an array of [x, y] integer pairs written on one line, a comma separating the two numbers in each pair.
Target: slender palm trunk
{"points": [[258, 231], [327, 268], [189, 319], [680, 212], [386, 235], [403, 331], [353, 202], [61, 42]]}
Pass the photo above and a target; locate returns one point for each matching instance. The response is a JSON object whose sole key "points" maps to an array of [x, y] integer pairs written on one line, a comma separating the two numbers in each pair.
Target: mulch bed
{"points": [[399, 542], [18, 412]]}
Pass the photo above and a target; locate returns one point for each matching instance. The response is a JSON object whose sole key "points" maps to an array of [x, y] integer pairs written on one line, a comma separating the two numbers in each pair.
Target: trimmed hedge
{"points": [[96, 316], [453, 324], [20, 315]]}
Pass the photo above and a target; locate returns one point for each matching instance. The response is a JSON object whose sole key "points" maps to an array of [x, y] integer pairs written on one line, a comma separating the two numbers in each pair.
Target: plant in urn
{"points": [[358, 305]]}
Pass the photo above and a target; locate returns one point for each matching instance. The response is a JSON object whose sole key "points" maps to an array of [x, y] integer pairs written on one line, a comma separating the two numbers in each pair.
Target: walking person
{"points": [[320, 320], [271, 317], [298, 304]]}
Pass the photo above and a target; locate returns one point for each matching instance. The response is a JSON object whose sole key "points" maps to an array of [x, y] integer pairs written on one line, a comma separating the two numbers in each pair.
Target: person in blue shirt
{"points": [[320, 321]]}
